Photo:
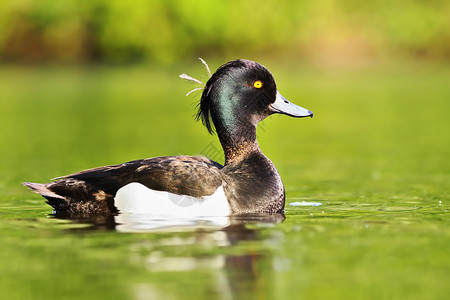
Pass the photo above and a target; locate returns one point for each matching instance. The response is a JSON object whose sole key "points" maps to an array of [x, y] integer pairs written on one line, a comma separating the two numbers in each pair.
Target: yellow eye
{"points": [[257, 84]]}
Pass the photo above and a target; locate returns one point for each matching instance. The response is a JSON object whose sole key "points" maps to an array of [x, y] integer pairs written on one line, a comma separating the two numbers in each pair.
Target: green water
{"points": [[376, 155]]}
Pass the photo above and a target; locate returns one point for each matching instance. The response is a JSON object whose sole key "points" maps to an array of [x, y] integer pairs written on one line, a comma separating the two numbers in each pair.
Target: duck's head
{"points": [[240, 94]]}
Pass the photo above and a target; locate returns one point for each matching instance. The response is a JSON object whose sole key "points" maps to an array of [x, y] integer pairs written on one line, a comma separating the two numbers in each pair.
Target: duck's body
{"points": [[238, 95]]}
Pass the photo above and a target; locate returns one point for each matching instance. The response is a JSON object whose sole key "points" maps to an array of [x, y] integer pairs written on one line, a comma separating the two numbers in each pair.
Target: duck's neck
{"points": [[238, 142]]}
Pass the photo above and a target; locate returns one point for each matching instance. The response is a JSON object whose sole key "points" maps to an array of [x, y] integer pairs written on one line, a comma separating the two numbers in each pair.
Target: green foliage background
{"points": [[165, 31]]}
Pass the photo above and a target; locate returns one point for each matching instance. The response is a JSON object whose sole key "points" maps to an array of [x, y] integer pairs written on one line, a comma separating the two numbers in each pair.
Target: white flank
{"points": [[136, 198]]}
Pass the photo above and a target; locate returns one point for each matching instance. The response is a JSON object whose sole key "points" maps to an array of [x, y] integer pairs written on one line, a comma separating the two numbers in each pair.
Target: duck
{"points": [[240, 94]]}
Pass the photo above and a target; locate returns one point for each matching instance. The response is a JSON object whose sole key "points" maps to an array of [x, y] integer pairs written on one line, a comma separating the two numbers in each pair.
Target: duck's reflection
{"points": [[148, 223], [239, 253], [233, 251]]}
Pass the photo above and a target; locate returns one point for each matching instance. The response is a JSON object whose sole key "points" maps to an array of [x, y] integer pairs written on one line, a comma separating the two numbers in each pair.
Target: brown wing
{"points": [[183, 175]]}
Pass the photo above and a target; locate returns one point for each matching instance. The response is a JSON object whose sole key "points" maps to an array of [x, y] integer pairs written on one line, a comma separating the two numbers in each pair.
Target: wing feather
{"points": [[183, 175]]}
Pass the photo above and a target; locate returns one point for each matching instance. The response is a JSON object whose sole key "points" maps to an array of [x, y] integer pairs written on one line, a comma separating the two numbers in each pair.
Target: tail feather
{"points": [[71, 196], [42, 189]]}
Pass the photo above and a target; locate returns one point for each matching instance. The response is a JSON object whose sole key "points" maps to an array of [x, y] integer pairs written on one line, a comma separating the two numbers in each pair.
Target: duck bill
{"points": [[283, 106]]}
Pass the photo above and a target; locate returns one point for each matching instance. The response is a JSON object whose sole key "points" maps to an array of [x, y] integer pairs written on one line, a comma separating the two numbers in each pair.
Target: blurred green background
{"points": [[91, 83], [168, 31]]}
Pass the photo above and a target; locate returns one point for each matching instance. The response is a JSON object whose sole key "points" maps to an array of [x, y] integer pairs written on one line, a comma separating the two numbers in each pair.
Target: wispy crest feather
{"points": [[206, 66], [203, 114], [190, 78]]}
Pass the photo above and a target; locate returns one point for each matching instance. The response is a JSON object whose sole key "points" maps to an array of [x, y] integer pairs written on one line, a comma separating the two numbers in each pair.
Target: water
{"points": [[375, 155]]}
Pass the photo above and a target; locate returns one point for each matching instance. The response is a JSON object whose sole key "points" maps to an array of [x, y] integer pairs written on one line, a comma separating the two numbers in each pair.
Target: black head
{"points": [[239, 90], [239, 95]]}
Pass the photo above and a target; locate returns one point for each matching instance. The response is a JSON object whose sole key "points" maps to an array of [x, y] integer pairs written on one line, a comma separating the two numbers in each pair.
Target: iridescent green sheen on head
{"points": [[230, 94]]}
